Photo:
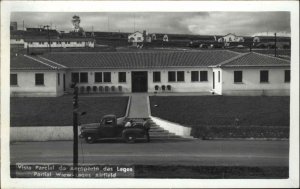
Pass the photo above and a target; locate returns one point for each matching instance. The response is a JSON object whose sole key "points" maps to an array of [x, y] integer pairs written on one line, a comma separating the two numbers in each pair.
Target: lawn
{"points": [[226, 116], [222, 110], [58, 111]]}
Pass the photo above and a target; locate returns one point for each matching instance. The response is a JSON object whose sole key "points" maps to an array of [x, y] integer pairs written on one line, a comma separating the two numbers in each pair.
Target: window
{"points": [[264, 76], [107, 77], [287, 76], [78, 42], [98, 77], [58, 79], [203, 76], [156, 77], [171, 76], [195, 76], [13, 79], [39, 79], [219, 77], [238, 76], [40, 43], [83, 77], [180, 76], [139, 38], [122, 77], [75, 77]]}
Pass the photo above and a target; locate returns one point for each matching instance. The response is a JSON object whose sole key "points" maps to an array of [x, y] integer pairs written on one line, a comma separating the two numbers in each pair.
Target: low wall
{"points": [[173, 127], [44, 133]]}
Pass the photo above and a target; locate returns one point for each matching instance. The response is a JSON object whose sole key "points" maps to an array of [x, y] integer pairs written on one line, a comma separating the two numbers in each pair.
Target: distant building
{"points": [[166, 38], [135, 38], [231, 38], [13, 26], [269, 41], [56, 43]]}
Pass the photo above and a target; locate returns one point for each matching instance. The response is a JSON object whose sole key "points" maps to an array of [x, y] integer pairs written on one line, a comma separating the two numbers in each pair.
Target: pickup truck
{"points": [[112, 127]]}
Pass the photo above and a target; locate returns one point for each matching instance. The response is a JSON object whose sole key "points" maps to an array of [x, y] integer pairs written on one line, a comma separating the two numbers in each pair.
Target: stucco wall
{"points": [[251, 82], [126, 86], [26, 84], [186, 86]]}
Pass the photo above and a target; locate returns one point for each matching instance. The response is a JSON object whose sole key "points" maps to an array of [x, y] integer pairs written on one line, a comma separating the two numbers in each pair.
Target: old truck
{"points": [[112, 127]]}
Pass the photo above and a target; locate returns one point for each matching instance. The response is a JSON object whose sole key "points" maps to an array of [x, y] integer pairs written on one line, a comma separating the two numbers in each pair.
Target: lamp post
{"points": [[75, 129]]}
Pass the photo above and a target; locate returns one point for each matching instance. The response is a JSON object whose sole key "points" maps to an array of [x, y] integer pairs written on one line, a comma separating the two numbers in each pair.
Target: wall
{"points": [[61, 45], [251, 82], [26, 84], [186, 86], [126, 86]]}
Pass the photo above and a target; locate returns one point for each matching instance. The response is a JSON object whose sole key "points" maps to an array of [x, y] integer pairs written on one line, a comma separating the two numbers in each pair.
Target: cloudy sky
{"points": [[203, 23]]}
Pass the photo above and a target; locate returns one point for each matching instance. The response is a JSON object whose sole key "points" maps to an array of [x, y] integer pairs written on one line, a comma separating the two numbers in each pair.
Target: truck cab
{"points": [[112, 127]]}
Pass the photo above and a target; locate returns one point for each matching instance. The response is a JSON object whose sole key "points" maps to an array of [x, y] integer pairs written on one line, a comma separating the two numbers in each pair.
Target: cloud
{"points": [[204, 23]]}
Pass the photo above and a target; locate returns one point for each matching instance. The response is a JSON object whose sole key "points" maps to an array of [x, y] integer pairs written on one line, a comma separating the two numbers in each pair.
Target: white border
{"points": [[155, 6]]}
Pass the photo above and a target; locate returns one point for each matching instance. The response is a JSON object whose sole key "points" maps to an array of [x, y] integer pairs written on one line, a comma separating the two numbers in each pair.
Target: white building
{"points": [[220, 71], [231, 38], [59, 43], [136, 37]]}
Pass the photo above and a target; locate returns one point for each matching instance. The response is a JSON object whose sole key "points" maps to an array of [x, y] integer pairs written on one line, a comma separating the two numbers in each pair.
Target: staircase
{"points": [[157, 132]]}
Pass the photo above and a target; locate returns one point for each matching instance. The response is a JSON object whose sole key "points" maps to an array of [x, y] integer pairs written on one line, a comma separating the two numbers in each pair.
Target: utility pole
{"points": [[75, 130], [47, 26], [275, 45]]}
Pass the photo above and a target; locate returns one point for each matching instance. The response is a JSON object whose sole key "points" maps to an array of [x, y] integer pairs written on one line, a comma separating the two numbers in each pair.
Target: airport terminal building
{"points": [[220, 72]]}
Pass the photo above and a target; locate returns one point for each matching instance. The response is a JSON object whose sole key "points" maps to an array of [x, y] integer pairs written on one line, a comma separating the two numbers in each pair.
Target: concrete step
{"points": [[164, 137]]}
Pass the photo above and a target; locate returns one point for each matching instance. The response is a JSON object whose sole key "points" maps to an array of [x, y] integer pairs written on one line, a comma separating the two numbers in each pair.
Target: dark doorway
{"points": [[139, 81], [213, 80]]}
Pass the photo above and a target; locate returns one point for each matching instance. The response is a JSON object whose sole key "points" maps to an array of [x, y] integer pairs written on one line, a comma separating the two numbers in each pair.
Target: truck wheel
{"points": [[90, 139], [130, 138]]}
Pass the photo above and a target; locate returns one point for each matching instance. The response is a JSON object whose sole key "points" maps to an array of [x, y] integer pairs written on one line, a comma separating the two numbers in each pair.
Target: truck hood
{"points": [[90, 126]]}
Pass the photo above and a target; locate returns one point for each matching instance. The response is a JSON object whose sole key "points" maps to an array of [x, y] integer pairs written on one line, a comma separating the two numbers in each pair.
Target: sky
{"points": [[198, 23]]}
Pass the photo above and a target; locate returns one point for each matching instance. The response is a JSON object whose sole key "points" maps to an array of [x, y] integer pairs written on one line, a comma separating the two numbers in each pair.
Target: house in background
{"points": [[220, 72], [135, 38], [231, 38]]}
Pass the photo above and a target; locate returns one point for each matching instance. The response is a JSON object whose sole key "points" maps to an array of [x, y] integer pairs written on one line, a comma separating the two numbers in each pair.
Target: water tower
{"points": [[76, 22]]}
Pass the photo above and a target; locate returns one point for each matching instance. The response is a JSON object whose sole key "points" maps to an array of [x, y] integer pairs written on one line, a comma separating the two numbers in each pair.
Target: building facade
{"points": [[219, 72], [59, 43]]}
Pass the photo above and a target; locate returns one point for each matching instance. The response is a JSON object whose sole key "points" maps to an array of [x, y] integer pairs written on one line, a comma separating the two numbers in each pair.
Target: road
{"points": [[157, 152]]}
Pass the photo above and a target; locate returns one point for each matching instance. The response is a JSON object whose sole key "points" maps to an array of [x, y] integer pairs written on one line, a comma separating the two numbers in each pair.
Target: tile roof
{"points": [[145, 60], [254, 59], [136, 60], [24, 62]]}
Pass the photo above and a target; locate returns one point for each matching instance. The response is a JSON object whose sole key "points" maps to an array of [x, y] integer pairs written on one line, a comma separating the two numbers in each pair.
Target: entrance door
{"points": [[139, 81], [213, 80]]}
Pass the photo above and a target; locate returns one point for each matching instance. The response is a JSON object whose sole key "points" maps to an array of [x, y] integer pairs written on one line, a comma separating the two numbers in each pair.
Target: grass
{"points": [[222, 110], [58, 111], [226, 116]]}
